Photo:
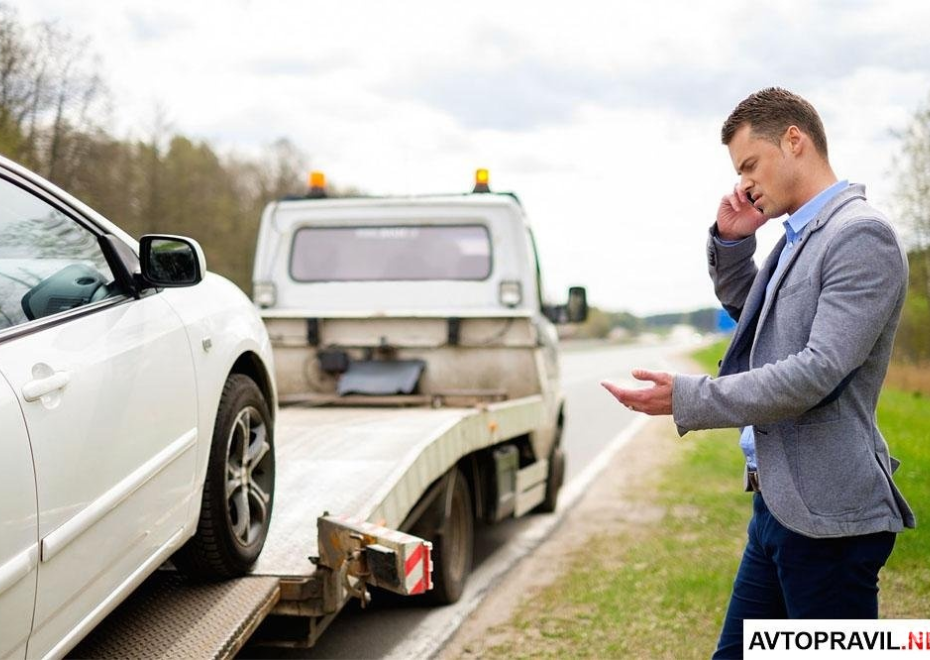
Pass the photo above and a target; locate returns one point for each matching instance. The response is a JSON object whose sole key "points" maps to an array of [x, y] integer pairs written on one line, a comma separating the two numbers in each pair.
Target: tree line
{"points": [[54, 114]]}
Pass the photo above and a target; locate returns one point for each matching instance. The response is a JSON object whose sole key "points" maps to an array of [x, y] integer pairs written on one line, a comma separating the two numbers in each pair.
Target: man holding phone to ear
{"points": [[802, 375]]}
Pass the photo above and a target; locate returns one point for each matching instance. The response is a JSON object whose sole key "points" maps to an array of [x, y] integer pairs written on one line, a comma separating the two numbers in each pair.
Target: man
{"points": [[802, 375]]}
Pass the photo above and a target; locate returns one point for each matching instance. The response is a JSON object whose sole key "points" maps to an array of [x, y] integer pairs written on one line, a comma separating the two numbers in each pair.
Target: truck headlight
{"points": [[264, 294], [510, 293]]}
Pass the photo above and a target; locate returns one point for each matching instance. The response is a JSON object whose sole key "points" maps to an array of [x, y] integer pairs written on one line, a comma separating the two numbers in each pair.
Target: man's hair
{"points": [[770, 112]]}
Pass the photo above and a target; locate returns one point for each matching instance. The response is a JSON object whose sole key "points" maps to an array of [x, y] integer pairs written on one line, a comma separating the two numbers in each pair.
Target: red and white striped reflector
{"points": [[394, 560]]}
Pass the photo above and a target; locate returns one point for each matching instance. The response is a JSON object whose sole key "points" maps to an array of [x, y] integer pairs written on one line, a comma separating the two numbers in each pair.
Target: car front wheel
{"points": [[238, 492]]}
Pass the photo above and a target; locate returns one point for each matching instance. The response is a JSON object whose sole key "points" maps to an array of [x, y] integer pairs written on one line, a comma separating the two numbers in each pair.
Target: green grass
{"points": [[708, 356], [661, 589], [904, 420]]}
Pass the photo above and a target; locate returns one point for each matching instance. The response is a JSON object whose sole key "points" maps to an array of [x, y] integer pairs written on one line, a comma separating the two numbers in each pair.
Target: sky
{"points": [[603, 117]]}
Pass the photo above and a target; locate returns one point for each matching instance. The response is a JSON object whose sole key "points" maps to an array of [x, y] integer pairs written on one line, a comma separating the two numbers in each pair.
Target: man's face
{"points": [[767, 172]]}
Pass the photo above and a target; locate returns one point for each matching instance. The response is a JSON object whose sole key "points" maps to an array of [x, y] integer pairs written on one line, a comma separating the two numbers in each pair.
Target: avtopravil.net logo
{"points": [[835, 638]]}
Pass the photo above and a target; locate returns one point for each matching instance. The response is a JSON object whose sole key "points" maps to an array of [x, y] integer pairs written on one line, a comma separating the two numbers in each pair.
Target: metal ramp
{"points": [[171, 617]]}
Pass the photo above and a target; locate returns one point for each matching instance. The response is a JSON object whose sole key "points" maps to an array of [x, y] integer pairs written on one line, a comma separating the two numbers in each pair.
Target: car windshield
{"points": [[397, 252]]}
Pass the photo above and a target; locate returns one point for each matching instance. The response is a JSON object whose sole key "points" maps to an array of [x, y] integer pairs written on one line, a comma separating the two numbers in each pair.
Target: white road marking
{"points": [[577, 486]]}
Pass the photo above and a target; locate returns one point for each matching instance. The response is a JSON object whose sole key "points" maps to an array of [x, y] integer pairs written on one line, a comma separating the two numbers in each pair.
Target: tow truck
{"points": [[417, 370]]}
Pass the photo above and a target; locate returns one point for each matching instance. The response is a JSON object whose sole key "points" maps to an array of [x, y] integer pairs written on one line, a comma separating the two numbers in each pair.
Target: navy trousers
{"points": [[784, 574]]}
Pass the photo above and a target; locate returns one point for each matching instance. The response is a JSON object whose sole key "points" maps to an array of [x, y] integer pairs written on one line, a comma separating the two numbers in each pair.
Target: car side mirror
{"points": [[577, 304], [171, 261]]}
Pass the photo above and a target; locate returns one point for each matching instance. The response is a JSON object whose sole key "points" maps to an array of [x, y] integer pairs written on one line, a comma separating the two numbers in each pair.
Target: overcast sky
{"points": [[604, 118]]}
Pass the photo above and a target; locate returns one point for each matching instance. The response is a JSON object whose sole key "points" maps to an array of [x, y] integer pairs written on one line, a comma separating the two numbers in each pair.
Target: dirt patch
{"points": [[909, 377], [618, 502]]}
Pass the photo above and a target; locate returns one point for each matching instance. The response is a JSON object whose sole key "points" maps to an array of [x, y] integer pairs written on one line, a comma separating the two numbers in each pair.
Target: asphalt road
{"points": [[397, 627]]}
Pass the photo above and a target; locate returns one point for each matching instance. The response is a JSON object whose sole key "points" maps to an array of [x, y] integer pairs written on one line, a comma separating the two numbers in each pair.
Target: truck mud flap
{"points": [[531, 486]]}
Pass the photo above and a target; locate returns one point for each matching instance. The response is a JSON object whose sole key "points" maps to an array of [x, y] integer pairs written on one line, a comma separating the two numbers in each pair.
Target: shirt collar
{"points": [[796, 222]]}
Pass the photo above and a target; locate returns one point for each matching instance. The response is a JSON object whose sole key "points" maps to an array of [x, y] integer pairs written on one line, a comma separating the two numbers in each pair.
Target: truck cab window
{"points": [[396, 253]]}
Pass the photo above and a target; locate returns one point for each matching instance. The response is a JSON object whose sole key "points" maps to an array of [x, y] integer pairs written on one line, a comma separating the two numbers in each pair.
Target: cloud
{"points": [[518, 97], [281, 67], [532, 94], [511, 83], [299, 67], [817, 43], [156, 25]]}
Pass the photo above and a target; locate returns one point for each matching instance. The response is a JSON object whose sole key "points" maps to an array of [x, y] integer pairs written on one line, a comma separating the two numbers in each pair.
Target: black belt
{"points": [[753, 478]]}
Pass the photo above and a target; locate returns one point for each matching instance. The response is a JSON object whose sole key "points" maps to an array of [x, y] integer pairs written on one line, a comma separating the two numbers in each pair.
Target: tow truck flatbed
{"points": [[369, 464]]}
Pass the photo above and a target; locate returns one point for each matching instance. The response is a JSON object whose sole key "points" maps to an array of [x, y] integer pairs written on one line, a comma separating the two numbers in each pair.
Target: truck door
{"points": [[19, 543], [106, 386], [548, 336]]}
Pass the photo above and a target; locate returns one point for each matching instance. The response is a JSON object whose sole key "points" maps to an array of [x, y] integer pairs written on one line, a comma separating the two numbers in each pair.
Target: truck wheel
{"points": [[554, 480], [238, 492], [453, 543]]}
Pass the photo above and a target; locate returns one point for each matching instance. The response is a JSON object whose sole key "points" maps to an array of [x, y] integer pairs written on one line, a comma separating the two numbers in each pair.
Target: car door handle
{"points": [[36, 389]]}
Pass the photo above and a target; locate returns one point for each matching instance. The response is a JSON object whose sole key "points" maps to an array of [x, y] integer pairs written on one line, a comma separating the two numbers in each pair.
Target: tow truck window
{"points": [[347, 254]]}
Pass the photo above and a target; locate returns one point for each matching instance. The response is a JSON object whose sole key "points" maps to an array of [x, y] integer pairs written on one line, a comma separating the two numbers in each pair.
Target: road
{"points": [[395, 627]]}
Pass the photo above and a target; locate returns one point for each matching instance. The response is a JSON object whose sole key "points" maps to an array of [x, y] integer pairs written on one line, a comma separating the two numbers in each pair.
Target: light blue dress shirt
{"points": [[794, 229]]}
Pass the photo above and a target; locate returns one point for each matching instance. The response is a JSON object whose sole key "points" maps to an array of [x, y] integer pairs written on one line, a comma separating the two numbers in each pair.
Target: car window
{"points": [[48, 262]]}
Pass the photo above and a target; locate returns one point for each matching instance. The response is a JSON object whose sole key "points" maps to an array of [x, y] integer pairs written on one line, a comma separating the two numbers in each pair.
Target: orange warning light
{"points": [[482, 179], [317, 185], [317, 180]]}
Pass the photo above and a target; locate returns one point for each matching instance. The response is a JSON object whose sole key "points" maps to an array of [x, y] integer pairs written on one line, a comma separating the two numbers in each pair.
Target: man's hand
{"points": [[737, 218], [655, 400]]}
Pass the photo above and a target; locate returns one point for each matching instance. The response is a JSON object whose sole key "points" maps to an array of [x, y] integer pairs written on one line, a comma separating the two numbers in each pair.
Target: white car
{"points": [[137, 405]]}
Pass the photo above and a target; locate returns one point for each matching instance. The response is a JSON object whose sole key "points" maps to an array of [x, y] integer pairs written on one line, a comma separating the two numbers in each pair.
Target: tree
{"points": [[50, 94], [912, 168], [597, 326]]}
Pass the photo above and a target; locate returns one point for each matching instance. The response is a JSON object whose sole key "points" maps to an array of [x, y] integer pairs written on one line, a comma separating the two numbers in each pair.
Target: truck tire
{"points": [[554, 480], [453, 542], [238, 492]]}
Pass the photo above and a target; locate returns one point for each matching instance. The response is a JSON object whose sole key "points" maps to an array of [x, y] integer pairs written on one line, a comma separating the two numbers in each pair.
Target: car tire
{"points": [[453, 542], [238, 491]]}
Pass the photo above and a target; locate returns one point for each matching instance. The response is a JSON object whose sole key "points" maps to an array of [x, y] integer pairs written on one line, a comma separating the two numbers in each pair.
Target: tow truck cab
{"points": [[452, 281]]}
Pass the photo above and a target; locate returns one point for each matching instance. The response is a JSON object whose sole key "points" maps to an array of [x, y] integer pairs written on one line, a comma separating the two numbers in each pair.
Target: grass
{"points": [[660, 590], [904, 419]]}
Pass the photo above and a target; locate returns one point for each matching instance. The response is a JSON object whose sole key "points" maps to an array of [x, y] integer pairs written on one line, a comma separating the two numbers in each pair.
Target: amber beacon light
{"points": [[317, 185], [481, 181]]}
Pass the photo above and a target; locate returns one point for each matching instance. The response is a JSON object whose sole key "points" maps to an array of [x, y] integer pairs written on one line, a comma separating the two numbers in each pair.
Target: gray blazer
{"points": [[805, 369]]}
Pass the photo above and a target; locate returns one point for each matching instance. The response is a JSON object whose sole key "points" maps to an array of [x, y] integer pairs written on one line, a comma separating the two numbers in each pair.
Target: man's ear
{"points": [[793, 140]]}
